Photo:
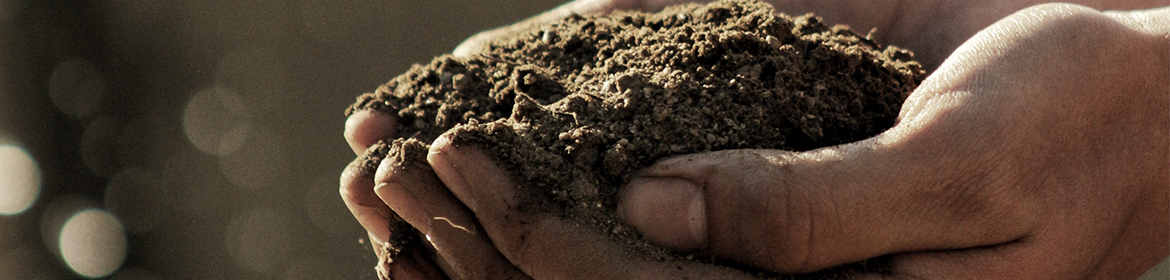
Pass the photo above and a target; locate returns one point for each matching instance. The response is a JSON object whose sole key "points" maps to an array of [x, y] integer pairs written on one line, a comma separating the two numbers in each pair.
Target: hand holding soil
{"points": [[1013, 152]]}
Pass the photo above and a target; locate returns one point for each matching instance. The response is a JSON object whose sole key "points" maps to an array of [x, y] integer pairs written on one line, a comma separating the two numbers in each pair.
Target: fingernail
{"points": [[670, 212]]}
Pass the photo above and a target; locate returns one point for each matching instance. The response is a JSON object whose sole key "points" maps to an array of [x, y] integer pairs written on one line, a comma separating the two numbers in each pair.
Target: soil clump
{"points": [[573, 107]]}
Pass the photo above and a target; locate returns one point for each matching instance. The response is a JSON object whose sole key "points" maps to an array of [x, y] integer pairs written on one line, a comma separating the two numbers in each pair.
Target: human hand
{"points": [[364, 128], [848, 152], [1036, 151], [1014, 160], [457, 248], [365, 199]]}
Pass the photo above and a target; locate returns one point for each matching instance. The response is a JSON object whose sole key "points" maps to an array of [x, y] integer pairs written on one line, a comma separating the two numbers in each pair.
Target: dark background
{"points": [[206, 132], [211, 129]]}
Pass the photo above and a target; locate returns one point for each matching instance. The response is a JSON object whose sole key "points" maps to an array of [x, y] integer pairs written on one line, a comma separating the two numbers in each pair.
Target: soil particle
{"points": [[572, 108]]}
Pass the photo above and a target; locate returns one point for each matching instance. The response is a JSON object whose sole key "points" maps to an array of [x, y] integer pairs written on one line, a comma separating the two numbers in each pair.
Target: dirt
{"points": [[572, 108]]}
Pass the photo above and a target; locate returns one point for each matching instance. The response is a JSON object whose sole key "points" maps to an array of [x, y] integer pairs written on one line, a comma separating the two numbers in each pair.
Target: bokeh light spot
{"points": [[93, 243], [217, 121], [77, 87], [56, 212], [140, 198], [258, 239], [20, 180]]}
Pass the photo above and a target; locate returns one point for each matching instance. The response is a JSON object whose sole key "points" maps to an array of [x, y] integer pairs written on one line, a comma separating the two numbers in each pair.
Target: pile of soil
{"points": [[573, 107]]}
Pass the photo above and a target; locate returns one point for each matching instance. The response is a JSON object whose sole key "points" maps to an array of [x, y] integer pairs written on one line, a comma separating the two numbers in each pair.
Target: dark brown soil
{"points": [[573, 107]]}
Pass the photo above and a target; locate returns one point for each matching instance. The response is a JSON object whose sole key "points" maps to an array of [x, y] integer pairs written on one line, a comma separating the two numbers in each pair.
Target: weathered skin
{"points": [[1030, 140]]}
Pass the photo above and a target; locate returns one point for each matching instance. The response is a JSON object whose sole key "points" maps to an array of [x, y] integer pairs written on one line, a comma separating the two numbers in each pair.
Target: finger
{"points": [[357, 191], [659, 204], [406, 182], [358, 194], [365, 127], [541, 244], [801, 212]]}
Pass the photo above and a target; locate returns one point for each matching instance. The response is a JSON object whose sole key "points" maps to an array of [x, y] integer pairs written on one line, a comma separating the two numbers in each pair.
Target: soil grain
{"points": [[573, 107]]}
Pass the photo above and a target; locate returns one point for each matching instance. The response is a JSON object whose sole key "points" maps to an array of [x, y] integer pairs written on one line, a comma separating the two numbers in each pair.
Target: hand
{"points": [[1033, 152], [460, 256], [454, 246], [923, 123]]}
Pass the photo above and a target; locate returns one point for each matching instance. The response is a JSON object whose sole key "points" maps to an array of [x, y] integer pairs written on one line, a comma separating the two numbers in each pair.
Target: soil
{"points": [[573, 107]]}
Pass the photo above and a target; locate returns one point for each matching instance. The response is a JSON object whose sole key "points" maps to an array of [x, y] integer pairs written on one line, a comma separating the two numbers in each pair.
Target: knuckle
{"points": [[767, 206]]}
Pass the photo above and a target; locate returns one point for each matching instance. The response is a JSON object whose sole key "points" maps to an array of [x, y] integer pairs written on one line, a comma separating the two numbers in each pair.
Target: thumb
{"points": [[801, 212]]}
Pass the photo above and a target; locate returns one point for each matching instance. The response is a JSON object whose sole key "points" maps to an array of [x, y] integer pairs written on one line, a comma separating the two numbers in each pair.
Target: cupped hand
{"points": [[1038, 150], [459, 249], [362, 130], [462, 254], [1032, 153], [379, 192], [1013, 160]]}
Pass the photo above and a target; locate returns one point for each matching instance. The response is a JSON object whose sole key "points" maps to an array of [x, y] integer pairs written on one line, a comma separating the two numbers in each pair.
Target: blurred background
{"points": [[198, 139]]}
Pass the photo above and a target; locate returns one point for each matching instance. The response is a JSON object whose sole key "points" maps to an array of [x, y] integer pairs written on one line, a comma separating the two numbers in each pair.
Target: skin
{"points": [[1038, 149]]}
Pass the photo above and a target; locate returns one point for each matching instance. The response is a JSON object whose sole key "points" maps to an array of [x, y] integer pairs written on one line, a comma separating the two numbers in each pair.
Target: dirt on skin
{"points": [[572, 108]]}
